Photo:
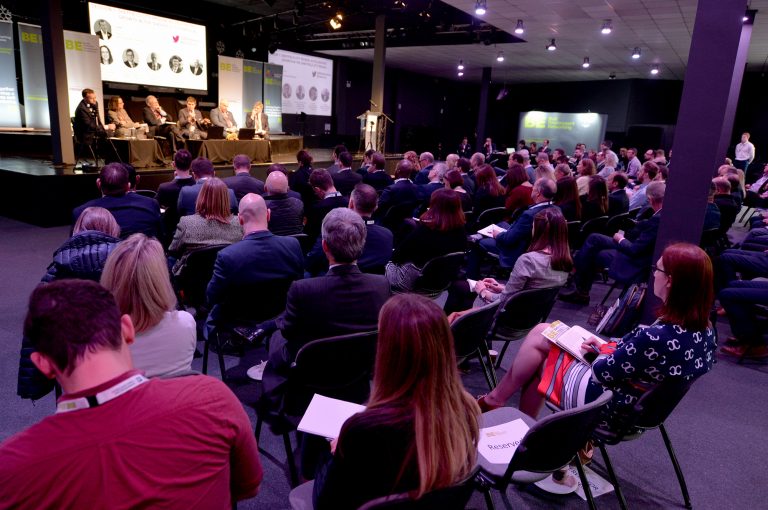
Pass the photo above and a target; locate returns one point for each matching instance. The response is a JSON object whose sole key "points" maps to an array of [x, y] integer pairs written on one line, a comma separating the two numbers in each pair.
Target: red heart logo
{"points": [[175, 38]]}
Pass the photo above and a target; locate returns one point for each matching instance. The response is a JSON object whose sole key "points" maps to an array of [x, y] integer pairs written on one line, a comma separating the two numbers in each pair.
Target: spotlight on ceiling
{"points": [[335, 21], [480, 7], [520, 28], [400, 4], [460, 67], [607, 27], [636, 53], [460, 74], [585, 64], [500, 57], [552, 46], [655, 69], [612, 76]]}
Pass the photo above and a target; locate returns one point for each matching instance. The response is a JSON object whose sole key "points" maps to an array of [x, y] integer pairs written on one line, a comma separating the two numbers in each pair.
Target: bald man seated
{"points": [[286, 213], [259, 258]]}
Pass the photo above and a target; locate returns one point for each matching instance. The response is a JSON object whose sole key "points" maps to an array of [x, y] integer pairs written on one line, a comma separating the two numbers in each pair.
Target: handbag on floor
{"points": [[623, 315]]}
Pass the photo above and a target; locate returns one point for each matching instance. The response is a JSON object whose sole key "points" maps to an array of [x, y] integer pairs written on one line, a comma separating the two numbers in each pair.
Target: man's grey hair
{"points": [[344, 232], [428, 156], [478, 157], [655, 191], [441, 169]]}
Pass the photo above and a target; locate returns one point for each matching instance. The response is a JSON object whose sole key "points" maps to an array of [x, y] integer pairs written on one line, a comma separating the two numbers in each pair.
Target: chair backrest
{"points": [[594, 225], [655, 406], [471, 329], [337, 367], [192, 279], [248, 304], [634, 212], [616, 223], [146, 193], [454, 497], [574, 234], [399, 212], [526, 308], [304, 241], [439, 272], [491, 216], [554, 440]]}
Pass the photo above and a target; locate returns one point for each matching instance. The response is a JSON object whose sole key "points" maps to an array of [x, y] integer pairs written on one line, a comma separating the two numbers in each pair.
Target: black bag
{"points": [[623, 316]]}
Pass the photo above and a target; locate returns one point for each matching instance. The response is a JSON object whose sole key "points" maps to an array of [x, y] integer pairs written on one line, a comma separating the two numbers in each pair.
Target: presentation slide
{"points": [[149, 50], [307, 83]]}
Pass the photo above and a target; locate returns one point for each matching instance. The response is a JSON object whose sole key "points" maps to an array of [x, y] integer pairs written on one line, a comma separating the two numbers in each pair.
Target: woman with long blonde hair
{"points": [[419, 431]]}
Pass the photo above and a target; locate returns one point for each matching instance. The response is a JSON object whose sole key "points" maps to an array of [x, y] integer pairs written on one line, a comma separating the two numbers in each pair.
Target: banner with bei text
{"points": [[273, 98], [36, 114], [10, 113], [81, 52], [231, 86]]}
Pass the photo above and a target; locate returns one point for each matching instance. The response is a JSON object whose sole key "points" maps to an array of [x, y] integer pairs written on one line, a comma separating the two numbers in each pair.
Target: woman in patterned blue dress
{"points": [[680, 344]]}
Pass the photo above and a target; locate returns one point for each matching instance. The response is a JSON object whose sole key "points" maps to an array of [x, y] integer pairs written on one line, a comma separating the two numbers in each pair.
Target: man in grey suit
{"points": [[202, 169], [222, 117], [191, 121]]}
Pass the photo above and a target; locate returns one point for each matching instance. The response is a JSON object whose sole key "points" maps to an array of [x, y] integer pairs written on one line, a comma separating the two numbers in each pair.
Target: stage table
{"points": [[223, 151], [139, 153]]}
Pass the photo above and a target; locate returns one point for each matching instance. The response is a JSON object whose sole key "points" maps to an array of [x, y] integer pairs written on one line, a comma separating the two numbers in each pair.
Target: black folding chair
{"points": [[304, 241], [196, 271], [454, 497], [146, 193], [595, 225], [438, 274], [470, 332], [616, 223], [549, 445], [574, 235]]}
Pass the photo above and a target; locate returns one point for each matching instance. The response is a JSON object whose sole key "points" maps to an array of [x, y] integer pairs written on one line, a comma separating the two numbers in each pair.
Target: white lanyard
{"points": [[101, 397]]}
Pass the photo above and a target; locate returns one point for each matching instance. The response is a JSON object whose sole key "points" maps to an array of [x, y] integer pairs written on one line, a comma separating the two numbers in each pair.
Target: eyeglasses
{"points": [[654, 268]]}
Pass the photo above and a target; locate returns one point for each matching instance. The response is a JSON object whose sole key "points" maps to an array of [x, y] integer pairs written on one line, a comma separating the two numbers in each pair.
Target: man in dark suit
{"points": [[130, 58], [335, 166], [242, 182], [156, 118], [202, 170], [629, 258], [618, 201], [168, 192], [436, 174], [196, 68], [191, 121], [260, 257], [403, 191], [728, 206], [286, 212], [465, 150], [134, 213], [376, 175], [87, 125], [328, 198], [427, 161], [345, 179], [344, 301]]}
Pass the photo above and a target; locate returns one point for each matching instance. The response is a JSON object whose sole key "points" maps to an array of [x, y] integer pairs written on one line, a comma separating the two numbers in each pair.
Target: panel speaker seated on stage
{"points": [[191, 121], [159, 121], [87, 124], [125, 127], [258, 120], [222, 117]]}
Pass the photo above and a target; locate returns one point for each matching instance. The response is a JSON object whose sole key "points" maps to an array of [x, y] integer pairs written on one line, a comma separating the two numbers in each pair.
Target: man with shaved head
{"points": [[261, 256], [286, 212]]}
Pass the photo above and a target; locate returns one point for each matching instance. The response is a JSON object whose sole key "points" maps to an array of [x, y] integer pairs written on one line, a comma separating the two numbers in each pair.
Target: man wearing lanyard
{"points": [[119, 439]]}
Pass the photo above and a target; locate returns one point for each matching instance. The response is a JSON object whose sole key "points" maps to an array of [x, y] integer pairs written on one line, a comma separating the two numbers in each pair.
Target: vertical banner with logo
{"points": [[36, 112], [10, 113], [231, 86], [273, 96], [81, 52], [253, 84]]}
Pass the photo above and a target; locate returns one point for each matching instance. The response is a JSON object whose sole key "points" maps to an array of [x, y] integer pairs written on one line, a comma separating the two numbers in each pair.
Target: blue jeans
{"points": [[739, 299], [597, 253]]}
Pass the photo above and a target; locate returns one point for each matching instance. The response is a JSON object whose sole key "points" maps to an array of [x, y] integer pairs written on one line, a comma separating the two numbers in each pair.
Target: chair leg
{"points": [[610, 291], [676, 464], [291, 462], [585, 485], [257, 431], [206, 348], [489, 378], [501, 353], [220, 354], [488, 500], [614, 479]]}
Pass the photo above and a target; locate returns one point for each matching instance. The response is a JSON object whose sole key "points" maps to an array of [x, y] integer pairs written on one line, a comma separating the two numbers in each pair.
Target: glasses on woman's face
{"points": [[655, 268]]}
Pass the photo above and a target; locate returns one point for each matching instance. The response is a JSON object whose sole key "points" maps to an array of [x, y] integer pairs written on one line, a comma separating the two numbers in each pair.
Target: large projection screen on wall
{"points": [[307, 83], [149, 50]]}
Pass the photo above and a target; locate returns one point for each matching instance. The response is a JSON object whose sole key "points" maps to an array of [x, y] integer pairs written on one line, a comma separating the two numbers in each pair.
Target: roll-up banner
{"points": [[273, 98], [253, 86], [36, 112], [10, 113], [563, 129], [81, 52], [231, 86]]}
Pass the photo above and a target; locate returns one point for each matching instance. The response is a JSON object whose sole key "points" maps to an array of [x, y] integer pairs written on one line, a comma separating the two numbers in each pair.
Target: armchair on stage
{"points": [[373, 130]]}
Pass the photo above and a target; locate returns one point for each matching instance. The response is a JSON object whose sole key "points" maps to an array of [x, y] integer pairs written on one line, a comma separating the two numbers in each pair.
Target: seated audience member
{"points": [[346, 300], [345, 179], [659, 158], [366, 164], [453, 181], [402, 191], [737, 179], [336, 165], [159, 121], [585, 169], [426, 161], [633, 163], [609, 166], [222, 117], [628, 258], [543, 167], [712, 214], [299, 179], [750, 264], [286, 213], [413, 158], [595, 203], [645, 176], [567, 198], [377, 250], [168, 192], [202, 170], [436, 176], [489, 193], [419, 430], [133, 212], [328, 198], [376, 175], [440, 231], [563, 170], [137, 275], [110, 416], [740, 299], [663, 174], [452, 159], [518, 188], [213, 223], [191, 121], [260, 257], [725, 202], [546, 264], [277, 167], [124, 125], [82, 256], [618, 201], [467, 169], [757, 192], [514, 241], [679, 345], [242, 182]]}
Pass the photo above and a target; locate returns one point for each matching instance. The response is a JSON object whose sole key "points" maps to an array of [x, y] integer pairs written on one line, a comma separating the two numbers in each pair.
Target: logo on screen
{"points": [[175, 38]]}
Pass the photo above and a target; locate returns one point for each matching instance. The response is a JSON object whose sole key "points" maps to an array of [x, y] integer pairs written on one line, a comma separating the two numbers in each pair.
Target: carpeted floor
{"points": [[719, 430]]}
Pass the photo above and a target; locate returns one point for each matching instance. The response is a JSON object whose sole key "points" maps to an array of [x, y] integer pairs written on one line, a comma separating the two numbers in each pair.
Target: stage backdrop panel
{"points": [[253, 88], [81, 52], [307, 83], [36, 114], [563, 129], [231, 86], [273, 99], [10, 114]]}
